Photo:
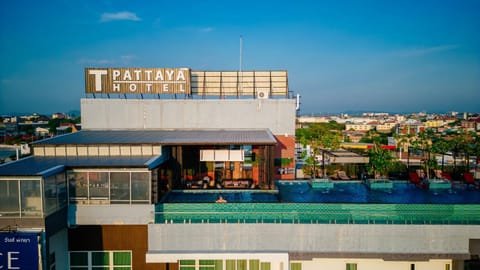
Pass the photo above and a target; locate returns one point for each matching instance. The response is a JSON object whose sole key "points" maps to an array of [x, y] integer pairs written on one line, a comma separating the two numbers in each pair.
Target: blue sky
{"points": [[395, 56]]}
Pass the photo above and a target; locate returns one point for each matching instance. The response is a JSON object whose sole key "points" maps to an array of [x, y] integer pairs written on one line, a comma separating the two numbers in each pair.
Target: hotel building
{"points": [[95, 199]]}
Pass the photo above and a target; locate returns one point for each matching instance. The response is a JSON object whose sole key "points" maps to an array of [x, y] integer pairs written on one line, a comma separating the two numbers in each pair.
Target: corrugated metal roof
{"points": [[39, 166], [164, 137]]}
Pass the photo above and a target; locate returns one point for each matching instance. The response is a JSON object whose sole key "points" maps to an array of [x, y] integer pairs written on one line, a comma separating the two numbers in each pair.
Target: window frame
{"points": [[110, 264]]}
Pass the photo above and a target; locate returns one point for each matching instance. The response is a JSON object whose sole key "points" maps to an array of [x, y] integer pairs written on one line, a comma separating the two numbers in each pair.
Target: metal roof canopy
{"points": [[164, 137], [46, 166], [343, 156]]}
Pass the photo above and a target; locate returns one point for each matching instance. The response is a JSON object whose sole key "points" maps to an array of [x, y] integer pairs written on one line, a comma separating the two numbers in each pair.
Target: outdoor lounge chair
{"points": [[420, 173], [446, 175], [469, 180], [415, 179], [342, 175], [442, 175]]}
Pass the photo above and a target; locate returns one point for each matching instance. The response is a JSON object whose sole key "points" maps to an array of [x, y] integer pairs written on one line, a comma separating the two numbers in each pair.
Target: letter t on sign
{"points": [[98, 78]]}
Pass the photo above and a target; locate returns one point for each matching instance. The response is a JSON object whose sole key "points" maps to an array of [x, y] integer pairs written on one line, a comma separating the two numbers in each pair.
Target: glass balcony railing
{"points": [[316, 213]]}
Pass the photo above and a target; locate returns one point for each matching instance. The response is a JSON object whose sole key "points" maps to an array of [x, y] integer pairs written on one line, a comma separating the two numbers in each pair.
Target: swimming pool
{"points": [[357, 192], [343, 192], [211, 195]]}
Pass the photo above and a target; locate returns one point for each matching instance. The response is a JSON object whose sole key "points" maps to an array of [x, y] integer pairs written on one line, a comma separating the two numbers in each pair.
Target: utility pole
{"points": [[241, 74]]}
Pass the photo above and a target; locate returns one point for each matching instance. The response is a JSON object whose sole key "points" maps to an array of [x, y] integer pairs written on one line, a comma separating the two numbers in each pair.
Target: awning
{"points": [[345, 157]]}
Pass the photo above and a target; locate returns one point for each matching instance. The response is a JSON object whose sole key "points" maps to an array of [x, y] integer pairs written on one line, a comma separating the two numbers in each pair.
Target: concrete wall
{"points": [[278, 115], [109, 214], [58, 244], [373, 264], [442, 241]]}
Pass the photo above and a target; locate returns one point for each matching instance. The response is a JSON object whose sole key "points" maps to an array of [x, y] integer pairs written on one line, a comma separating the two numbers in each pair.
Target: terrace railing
{"points": [[315, 213]]}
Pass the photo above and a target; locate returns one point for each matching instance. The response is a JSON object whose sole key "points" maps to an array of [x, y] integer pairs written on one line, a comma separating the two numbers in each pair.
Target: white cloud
{"points": [[123, 59], [89, 61], [426, 50], [127, 58], [6, 81], [206, 29], [119, 16]]}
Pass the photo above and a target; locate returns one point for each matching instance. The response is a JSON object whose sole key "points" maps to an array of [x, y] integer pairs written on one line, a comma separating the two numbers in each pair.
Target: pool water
{"points": [[402, 193], [343, 192], [209, 196]]}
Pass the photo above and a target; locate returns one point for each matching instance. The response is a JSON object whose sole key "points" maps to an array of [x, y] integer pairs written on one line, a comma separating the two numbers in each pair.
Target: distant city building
{"points": [[59, 116], [65, 128], [359, 127], [386, 127], [41, 132], [469, 125]]}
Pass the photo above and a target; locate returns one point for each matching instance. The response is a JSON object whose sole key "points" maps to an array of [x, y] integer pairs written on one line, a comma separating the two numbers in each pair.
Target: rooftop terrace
{"points": [[347, 203]]}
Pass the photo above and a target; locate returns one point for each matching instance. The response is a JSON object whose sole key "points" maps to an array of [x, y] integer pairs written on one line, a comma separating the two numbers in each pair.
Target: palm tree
{"points": [[380, 160], [463, 143], [404, 142], [423, 142], [441, 146]]}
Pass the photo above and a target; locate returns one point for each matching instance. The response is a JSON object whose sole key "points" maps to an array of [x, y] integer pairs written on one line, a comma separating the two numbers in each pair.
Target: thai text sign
{"points": [[137, 80], [18, 251]]}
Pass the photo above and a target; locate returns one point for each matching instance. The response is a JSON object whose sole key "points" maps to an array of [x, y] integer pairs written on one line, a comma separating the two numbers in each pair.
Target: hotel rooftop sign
{"points": [[184, 81], [137, 80]]}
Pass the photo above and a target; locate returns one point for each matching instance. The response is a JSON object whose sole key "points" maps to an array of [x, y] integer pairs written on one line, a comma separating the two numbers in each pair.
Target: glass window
{"points": [[206, 262], [295, 266], [78, 258], [218, 264], [122, 258], [30, 197], [241, 264], [265, 266], [98, 185], [61, 189], [254, 265], [187, 264], [140, 184], [351, 266], [77, 186], [104, 260], [100, 258], [50, 196], [55, 192], [9, 199], [230, 264], [211, 265], [120, 187]]}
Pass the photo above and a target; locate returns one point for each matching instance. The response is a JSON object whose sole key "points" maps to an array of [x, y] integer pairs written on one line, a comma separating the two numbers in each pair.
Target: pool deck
{"points": [[439, 184], [322, 183]]}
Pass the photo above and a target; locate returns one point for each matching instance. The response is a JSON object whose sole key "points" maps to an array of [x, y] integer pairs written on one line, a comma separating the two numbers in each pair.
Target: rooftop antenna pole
{"points": [[241, 74]]}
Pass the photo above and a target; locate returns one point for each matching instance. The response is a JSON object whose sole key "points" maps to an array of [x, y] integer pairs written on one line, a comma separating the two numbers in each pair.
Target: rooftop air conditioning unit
{"points": [[262, 94]]}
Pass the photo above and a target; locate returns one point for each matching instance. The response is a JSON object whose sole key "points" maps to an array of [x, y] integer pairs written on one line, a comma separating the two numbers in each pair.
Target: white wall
{"points": [[443, 240], [373, 264], [278, 115], [113, 214]]}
